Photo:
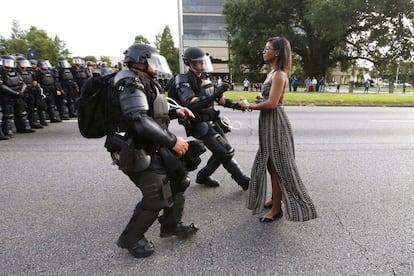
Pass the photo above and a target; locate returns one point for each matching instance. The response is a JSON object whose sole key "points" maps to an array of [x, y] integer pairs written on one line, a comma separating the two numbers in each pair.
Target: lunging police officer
{"points": [[143, 148], [196, 92]]}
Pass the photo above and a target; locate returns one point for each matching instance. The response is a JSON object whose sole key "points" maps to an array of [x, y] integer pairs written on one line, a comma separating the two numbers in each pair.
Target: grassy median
{"points": [[354, 99]]}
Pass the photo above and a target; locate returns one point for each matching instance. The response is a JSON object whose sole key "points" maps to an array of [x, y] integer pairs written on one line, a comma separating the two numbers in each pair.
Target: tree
{"points": [[37, 40], [164, 42], [141, 39], [324, 33]]}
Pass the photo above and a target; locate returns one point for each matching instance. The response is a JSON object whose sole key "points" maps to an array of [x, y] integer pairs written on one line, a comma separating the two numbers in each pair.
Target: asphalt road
{"points": [[63, 205]]}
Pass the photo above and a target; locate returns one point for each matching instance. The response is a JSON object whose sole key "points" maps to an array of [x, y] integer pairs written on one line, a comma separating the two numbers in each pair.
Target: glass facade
{"points": [[204, 27]]}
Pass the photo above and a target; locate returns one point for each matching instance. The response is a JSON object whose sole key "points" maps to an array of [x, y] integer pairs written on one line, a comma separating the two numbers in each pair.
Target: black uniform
{"points": [[144, 154], [32, 97], [207, 127], [47, 80], [13, 105], [66, 84]]}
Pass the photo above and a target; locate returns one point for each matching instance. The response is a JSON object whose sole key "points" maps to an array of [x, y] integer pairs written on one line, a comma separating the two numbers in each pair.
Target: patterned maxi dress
{"points": [[276, 143]]}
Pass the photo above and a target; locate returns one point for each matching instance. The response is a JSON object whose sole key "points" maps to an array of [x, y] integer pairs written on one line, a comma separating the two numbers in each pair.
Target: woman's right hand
{"points": [[259, 98]]}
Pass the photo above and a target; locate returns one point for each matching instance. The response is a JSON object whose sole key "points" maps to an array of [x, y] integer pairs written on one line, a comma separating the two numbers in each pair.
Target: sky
{"points": [[91, 27]]}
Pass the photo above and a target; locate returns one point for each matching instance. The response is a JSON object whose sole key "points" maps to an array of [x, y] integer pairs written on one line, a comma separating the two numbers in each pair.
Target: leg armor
{"points": [[237, 173], [172, 215], [219, 146], [34, 120], [63, 109], [42, 117], [140, 222], [2, 135], [7, 120], [22, 123], [170, 221]]}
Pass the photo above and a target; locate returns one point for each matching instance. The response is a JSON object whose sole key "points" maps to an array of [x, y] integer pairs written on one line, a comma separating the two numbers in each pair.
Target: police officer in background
{"points": [[79, 71], [68, 88], [12, 103], [148, 149], [47, 81], [197, 92], [32, 94]]}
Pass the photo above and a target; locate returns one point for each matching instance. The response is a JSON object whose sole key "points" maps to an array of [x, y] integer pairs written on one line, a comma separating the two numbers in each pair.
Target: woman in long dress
{"points": [[276, 151]]}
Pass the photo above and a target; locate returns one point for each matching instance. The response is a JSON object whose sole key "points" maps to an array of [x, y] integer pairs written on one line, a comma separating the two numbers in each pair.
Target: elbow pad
{"points": [[132, 101]]}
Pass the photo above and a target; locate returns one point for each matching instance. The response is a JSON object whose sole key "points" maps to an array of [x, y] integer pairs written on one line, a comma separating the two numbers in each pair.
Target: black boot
{"points": [[34, 120], [22, 123], [42, 117], [7, 125], [132, 238], [170, 221], [54, 116], [140, 249], [72, 111], [2, 136], [237, 174], [63, 112], [203, 176]]}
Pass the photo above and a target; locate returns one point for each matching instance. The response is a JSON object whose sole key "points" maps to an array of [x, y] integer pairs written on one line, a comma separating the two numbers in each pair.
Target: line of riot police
{"points": [[33, 93]]}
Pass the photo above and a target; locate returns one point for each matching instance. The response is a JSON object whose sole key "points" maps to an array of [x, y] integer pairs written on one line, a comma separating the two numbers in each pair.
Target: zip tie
{"points": [[173, 103], [226, 121]]}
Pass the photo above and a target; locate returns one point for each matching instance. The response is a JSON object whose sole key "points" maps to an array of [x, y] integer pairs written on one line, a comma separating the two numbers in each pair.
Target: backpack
{"points": [[94, 106]]}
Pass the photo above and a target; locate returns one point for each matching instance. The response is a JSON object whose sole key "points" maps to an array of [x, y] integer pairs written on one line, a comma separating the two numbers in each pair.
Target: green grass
{"points": [[355, 99]]}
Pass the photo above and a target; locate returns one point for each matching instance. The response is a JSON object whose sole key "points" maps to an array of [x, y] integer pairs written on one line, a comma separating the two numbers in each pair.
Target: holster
{"points": [[186, 123], [207, 115], [224, 127], [130, 158]]}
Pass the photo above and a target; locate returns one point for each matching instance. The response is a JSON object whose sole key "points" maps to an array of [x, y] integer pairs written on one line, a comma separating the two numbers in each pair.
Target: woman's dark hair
{"points": [[284, 61]]}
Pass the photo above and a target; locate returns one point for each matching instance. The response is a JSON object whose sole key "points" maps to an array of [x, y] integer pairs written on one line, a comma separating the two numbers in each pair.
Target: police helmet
{"points": [[8, 62], [146, 54], [63, 62], [22, 62], [77, 60], [43, 64], [194, 54]]}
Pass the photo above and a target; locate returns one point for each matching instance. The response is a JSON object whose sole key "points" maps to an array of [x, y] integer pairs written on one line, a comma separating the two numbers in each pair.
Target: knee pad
{"points": [[219, 146], [155, 188], [180, 185]]}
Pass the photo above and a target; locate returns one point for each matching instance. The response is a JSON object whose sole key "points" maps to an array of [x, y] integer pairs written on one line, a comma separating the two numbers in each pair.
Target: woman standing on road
{"points": [[276, 146]]}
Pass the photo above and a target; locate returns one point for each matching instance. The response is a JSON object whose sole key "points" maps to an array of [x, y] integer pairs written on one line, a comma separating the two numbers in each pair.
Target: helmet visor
{"points": [[159, 63], [77, 61], [64, 64], [8, 63], [202, 64], [44, 64], [24, 63]]}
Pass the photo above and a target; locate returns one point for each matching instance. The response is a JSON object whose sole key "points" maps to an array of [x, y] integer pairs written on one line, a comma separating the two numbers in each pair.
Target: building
{"points": [[203, 26]]}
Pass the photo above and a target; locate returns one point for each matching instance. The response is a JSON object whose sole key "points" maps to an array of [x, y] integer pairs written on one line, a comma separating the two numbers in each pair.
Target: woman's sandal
{"points": [[272, 219]]}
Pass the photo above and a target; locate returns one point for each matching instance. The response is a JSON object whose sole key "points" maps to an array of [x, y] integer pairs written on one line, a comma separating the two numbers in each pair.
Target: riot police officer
{"points": [[68, 88], [79, 71], [32, 94], [13, 106], [196, 92], [47, 80], [148, 149]]}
